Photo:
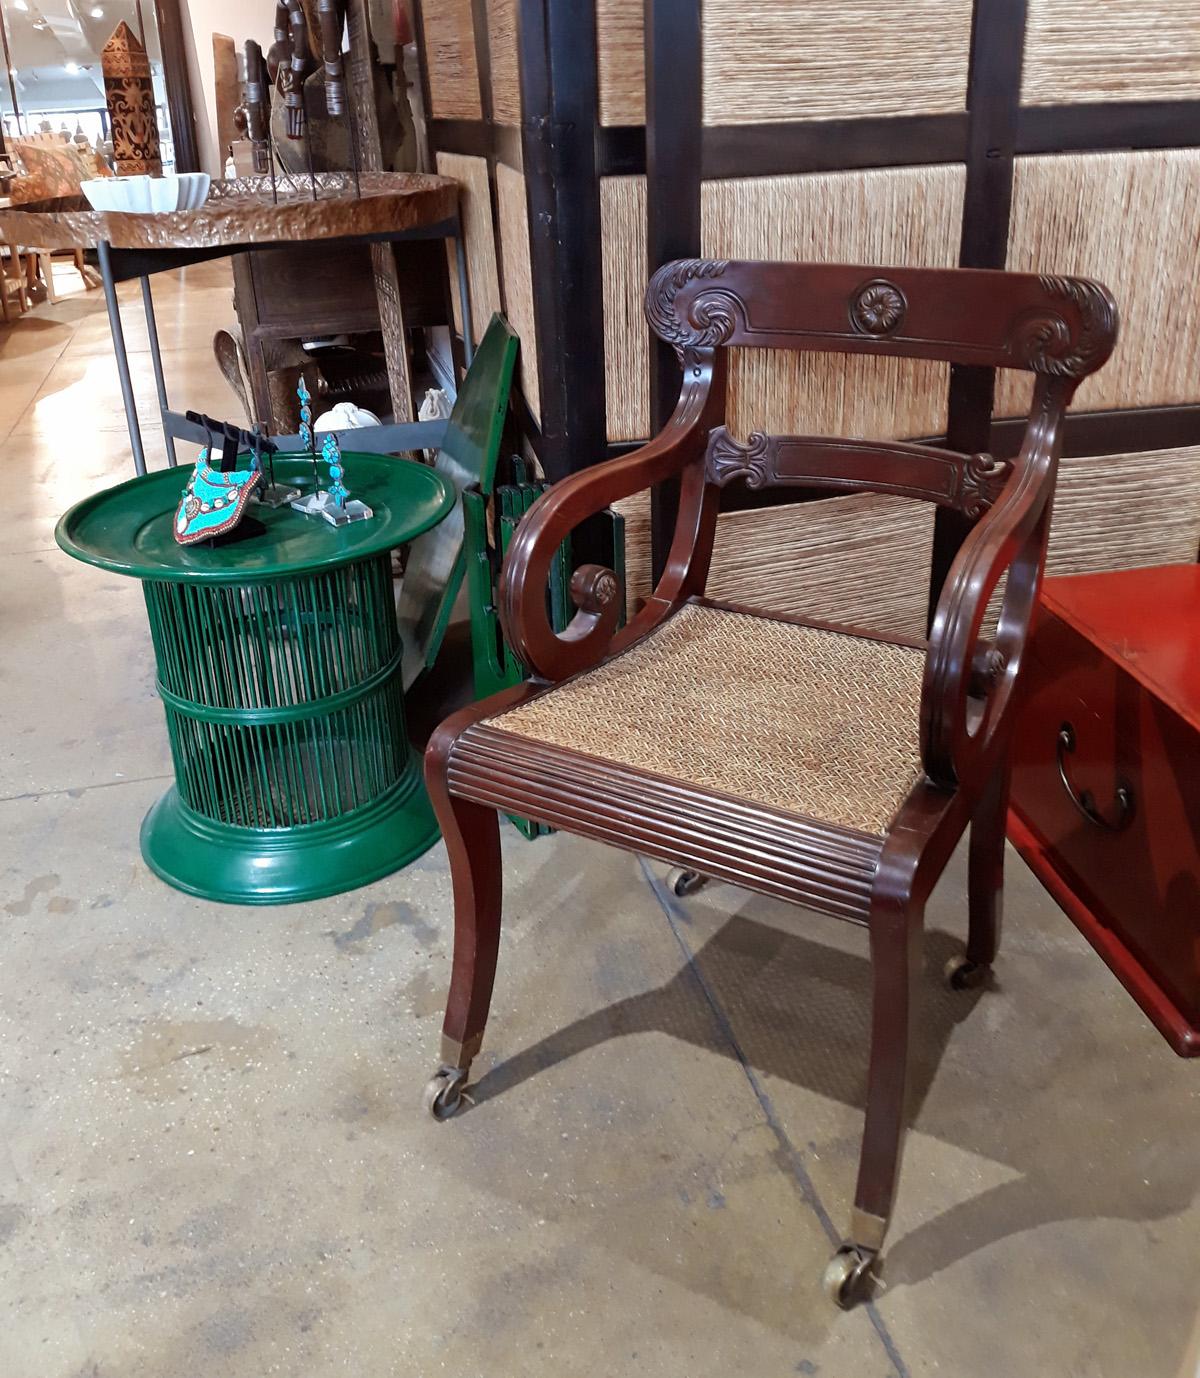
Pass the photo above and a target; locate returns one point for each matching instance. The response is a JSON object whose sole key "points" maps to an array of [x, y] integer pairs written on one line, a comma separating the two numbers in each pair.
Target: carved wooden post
{"points": [[129, 91]]}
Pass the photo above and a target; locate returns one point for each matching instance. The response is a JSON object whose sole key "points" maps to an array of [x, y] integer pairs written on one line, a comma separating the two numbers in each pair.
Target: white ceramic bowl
{"points": [[179, 191]]}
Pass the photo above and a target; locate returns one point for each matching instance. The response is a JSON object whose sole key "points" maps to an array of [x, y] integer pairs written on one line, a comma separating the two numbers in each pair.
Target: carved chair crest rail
{"points": [[825, 765]]}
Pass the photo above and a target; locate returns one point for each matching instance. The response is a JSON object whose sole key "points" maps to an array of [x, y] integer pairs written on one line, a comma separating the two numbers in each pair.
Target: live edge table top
{"points": [[244, 212], [1146, 620]]}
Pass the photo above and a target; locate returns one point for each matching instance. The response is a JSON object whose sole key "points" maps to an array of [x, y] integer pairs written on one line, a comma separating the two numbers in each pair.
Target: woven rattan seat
{"points": [[797, 718]]}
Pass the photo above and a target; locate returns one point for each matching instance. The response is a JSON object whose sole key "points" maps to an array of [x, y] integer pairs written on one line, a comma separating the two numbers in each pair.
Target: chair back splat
{"points": [[830, 766]]}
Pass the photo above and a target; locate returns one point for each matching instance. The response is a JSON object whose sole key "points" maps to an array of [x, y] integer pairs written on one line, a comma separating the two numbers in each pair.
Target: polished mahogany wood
{"points": [[1060, 329], [1106, 778]]}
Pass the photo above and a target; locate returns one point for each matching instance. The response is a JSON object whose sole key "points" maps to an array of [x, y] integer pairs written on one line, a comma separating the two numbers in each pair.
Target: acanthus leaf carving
{"points": [[728, 459], [711, 314], [983, 477], [1045, 342]]}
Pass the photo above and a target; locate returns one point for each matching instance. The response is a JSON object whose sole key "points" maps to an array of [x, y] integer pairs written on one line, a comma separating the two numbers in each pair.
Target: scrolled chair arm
{"points": [[969, 679], [596, 591]]}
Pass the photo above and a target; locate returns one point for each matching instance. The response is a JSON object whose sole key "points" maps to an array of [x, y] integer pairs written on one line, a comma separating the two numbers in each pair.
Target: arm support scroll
{"points": [[596, 591], [969, 679]]}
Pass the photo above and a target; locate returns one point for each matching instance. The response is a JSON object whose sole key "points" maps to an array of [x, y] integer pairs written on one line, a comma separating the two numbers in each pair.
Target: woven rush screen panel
{"points": [[450, 60], [795, 559], [1131, 220], [517, 275], [906, 217], [800, 59], [1124, 511], [475, 207], [505, 64], [1119, 50]]}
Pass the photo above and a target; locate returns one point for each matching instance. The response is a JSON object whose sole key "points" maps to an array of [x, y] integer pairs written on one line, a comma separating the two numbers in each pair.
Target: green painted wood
{"points": [[437, 563]]}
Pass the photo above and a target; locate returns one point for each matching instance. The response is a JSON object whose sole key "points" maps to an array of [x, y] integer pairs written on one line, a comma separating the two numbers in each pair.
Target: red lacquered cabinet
{"points": [[1106, 777]]}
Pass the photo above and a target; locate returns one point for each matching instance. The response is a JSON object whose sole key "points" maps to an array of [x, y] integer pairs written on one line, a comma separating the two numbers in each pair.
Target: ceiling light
{"points": [[96, 12], [71, 68], [21, 5]]}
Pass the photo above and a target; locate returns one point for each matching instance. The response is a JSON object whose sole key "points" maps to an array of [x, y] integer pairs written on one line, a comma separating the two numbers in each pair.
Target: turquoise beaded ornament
{"points": [[331, 453], [306, 435], [334, 503]]}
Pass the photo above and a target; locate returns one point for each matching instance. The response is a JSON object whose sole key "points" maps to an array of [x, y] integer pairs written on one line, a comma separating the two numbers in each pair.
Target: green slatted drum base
{"points": [[293, 773]]}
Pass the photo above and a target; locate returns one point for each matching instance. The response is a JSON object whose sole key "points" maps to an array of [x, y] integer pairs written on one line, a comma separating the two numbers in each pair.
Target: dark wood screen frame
{"points": [[564, 152]]}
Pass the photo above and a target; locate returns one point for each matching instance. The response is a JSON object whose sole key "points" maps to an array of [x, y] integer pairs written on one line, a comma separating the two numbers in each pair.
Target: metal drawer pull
{"points": [[1083, 801]]}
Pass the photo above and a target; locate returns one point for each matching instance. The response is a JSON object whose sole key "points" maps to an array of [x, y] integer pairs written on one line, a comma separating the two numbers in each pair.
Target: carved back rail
{"points": [[1061, 326]]}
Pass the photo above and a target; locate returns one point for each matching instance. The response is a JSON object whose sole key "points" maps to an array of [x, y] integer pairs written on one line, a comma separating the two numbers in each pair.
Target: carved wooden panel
{"points": [[517, 275], [475, 207], [451, 59], [129, 92], [1120, 218], [968, 483], [626, 335], [502, 47], [1076, 50], [898, 216], [833, 59]]}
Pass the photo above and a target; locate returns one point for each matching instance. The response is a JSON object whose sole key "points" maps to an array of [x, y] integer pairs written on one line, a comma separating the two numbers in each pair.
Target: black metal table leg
{"points": [[118, 339], [156, 359]]}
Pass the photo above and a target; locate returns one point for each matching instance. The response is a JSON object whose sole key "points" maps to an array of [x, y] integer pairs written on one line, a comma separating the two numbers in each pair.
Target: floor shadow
{"points": [[799, 1010]]}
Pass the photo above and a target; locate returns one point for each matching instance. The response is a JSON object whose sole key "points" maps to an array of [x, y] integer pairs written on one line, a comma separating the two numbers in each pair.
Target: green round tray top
{"points": [[129, 528]]}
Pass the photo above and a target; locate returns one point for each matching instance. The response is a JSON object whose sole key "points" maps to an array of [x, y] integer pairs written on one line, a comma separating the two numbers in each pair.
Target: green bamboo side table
{"points": [[278, 662]]}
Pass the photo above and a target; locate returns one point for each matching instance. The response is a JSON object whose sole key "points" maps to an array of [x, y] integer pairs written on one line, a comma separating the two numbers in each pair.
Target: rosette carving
{"points": [[878, 308], [982, 479], [711, 313], [1045, 342], [729, 460]]}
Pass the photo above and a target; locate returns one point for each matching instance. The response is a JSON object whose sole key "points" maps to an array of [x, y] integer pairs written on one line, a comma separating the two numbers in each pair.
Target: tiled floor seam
{"points": [[791, 1154]]}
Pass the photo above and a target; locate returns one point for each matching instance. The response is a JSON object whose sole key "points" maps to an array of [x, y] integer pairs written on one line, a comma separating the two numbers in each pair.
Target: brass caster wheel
{"points": [[444, 1092], [682, 882], [847, 1274], [963, 974]]}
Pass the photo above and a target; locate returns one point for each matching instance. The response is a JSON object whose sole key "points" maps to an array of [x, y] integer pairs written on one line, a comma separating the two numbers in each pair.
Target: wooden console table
{"points": [[249, 213], [1106, 778]]}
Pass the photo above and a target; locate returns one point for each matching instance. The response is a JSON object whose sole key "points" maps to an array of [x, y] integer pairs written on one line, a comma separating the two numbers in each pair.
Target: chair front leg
{"points": [[895, 930], [472, 836]]}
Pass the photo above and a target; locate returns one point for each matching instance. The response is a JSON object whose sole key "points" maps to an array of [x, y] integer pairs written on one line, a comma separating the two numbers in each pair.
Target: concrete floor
{"points": [[212, 1157]]}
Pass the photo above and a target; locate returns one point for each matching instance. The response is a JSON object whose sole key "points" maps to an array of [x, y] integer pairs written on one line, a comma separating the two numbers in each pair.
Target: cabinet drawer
{"points": [[1106, 783]]}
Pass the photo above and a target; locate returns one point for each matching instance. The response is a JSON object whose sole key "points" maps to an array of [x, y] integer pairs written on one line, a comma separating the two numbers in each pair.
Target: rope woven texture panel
{"points": [[904, 217], [1131, 220], [800, 59], [506, 77], [626, 334], [1077, 51], [450, 55], [833, 59], [518, 278], [475, 204]]}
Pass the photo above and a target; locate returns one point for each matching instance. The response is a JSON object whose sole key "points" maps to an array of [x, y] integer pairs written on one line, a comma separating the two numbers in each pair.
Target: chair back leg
{"points": [[985, 870]]}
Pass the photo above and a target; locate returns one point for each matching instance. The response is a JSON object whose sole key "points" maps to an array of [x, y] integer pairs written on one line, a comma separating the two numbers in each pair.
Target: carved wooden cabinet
{"points": [[1106, 778]]}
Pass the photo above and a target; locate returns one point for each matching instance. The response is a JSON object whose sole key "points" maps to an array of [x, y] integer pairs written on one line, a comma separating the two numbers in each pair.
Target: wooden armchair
{"points": [[821, 764]]}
